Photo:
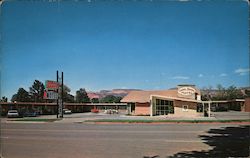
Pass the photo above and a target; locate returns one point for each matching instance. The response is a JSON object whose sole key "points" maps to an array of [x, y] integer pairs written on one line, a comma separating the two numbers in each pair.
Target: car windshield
{"points": [[12, 111]]}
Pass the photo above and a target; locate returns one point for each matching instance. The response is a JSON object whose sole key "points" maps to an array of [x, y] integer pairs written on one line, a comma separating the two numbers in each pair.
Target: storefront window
{"points": [[164, 107]]}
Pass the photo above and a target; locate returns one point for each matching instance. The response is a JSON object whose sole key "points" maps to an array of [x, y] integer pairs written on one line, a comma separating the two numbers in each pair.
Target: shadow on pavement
{"points": [[156, 156], [226, 142]]}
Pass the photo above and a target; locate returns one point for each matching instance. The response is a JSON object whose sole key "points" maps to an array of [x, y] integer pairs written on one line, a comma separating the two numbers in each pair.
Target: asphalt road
{"points": [[55, 140]]}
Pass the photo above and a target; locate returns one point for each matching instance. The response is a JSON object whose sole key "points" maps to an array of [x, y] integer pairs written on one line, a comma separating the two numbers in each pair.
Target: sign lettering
{"points": [[51, 85], [186, 91]]}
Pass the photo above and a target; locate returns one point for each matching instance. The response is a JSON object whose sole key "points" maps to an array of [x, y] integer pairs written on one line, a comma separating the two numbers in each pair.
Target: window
{"points": [[157, 102], [185, 108], [164, 107]]}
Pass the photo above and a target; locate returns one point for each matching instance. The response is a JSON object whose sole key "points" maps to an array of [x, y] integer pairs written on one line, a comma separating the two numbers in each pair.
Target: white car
{"points": [[13, 113], [67, 111]]}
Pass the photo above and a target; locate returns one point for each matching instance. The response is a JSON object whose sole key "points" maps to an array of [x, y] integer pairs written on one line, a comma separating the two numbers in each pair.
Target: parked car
{"points": [[13, 114], [67, 111], [30, 114], [111, 111], [94, 110]]}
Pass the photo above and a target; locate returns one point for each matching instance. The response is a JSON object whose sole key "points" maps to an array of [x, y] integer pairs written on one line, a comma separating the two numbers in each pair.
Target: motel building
{"points": [[182, 101]]}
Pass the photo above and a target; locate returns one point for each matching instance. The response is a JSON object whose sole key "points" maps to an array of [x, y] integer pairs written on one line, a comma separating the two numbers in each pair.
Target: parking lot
{"points": [[81, 117]]}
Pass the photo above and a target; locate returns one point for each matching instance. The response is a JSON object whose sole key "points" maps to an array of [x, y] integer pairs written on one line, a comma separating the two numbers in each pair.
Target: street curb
{"points": [[162, 123]]}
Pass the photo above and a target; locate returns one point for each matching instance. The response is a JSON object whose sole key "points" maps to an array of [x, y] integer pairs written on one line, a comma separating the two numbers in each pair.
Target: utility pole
{"points": [[57, 107], [62, 94]]}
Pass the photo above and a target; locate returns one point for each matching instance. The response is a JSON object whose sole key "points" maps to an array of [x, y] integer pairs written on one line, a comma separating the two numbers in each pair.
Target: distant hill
{"points": [[124, 92], [114, 92]]}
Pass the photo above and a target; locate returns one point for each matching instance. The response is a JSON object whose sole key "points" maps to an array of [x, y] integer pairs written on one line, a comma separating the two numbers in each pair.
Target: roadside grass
{"points": [[36, 120], [166, 121]]}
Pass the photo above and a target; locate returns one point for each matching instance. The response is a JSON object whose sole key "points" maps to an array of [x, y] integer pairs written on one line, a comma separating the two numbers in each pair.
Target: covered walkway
{"points": [[51, 108]]}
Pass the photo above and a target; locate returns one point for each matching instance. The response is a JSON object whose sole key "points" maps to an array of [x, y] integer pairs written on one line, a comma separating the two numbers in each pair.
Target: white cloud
{"points": [[180, 77], [223, 75], [242, 71], [200, 75]]}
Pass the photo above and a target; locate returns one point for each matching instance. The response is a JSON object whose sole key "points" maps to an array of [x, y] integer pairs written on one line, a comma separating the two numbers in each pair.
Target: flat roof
{"points": [[73, 104]]}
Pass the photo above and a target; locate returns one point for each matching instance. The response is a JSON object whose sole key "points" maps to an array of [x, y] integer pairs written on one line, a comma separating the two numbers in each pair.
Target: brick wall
{"points": [[247, 105], [191, 105], [142, 109], [190, 112]]}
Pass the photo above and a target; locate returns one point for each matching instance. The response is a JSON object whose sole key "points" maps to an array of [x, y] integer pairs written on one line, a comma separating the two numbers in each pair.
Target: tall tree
{"points": [[4, 99], [111, 99], [36, 91], [67, 97], [22, 96], [14, 97], [221, 93], [207, 95], [94, 100], [247, 93], [234, 93], [82, 96]]}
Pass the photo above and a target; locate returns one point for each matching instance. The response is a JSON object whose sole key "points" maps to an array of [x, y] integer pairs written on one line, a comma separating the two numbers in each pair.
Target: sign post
{"points": [[54, 91], [60, 100]]}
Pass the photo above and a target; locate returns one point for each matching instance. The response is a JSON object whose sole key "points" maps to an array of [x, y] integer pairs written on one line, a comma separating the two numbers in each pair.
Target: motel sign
{"points": [[51, 85], [52, 90], [51, 95]]}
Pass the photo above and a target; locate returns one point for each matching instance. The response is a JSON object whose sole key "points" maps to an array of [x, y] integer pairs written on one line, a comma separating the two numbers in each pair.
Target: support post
{"points": [[209, 109], [57, 105], [62, 94], [203, 108], [151, 106]]}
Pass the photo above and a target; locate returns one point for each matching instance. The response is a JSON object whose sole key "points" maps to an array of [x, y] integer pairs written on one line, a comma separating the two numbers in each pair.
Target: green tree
{"points": [[94, 100], [21, 96], [4, 99], [36, 91], [247, 92], [14, 97], [68, 98], [111, 99], [221, 93], [82, 96], [233, 93], [207, 93]]}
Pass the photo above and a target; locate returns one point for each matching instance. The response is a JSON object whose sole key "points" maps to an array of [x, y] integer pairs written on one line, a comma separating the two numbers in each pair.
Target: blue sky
{"points": [[106, 45]]}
